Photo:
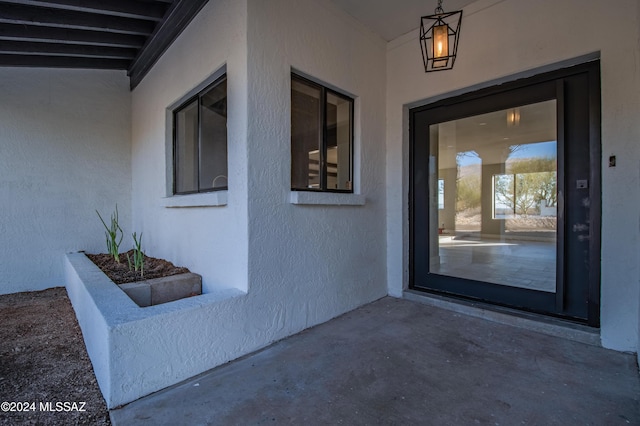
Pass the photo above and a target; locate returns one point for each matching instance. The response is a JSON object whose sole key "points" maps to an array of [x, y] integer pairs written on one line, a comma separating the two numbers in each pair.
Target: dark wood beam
{"points": [[58, 49], [124, 8], [62, 62], [61, 35], [30, 15], [178, 17]]}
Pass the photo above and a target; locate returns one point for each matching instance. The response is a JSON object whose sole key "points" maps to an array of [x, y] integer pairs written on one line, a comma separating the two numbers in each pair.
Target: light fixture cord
{"points": [[439, 10]]}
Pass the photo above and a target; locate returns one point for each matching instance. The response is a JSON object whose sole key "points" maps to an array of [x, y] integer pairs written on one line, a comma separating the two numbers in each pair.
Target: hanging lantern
{"points": [[439, 35]]}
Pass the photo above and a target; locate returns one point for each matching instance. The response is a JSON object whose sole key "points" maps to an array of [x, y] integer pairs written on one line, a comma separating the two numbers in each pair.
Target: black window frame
{"points": [[197, 97], [324, 91]]}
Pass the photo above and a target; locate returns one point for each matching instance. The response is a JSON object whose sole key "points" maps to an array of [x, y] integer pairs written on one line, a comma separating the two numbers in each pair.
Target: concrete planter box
{"points": [[136, 351], [162, 290]]}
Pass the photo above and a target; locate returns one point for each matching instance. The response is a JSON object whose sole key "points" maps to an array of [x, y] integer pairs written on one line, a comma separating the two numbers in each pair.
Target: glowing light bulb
{"points": [[440, 45], [440, 41]]}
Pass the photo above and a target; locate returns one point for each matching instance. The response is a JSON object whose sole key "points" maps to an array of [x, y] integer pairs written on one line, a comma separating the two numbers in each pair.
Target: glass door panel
{"points": [[495, 197], [504, 195]]}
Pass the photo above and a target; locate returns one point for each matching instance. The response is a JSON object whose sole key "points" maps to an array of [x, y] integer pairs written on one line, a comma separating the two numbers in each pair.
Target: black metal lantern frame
{"points": [[439, 35]]}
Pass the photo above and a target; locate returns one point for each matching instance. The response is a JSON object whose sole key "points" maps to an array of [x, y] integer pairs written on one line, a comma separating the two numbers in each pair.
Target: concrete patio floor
{"points": [[401, 362]]}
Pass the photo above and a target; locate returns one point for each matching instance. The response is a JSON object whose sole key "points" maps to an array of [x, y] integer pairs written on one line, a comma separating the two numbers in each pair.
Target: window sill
{"points": [[209, 199], [326, 198]]}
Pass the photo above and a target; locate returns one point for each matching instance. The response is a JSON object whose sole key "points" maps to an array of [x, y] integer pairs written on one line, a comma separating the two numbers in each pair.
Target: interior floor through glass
{"points": [[518, 263]]}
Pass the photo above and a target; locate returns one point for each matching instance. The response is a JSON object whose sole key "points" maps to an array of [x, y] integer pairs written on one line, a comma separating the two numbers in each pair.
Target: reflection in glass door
{"points": [[496, 197]]}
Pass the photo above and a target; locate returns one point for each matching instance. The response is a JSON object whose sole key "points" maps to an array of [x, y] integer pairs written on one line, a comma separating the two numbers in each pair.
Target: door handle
{"points": [[560, 205]]}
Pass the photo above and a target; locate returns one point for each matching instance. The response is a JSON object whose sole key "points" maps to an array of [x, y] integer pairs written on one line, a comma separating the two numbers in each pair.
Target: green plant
{"points": [[113, 243], [138, 255]]}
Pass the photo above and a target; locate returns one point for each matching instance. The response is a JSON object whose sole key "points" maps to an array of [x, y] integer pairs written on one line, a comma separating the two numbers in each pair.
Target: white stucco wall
{"points": [[64, 152], [315, 261], [507, 37], [326, 257], [211, 241], [136, 351], [298, 264]]}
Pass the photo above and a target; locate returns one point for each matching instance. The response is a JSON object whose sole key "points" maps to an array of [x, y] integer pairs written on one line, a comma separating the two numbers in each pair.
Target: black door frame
{"points": [[541, 87]]}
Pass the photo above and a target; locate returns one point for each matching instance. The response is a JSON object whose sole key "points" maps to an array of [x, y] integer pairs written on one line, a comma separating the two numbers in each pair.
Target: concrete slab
{"points": [[401, 362], [157, 291], [139, 292], [168, 289]]}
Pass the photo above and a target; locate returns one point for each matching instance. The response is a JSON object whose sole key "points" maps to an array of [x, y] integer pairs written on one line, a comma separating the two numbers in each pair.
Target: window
{"points": [[526, 194], [200, 141], [321, 138]]}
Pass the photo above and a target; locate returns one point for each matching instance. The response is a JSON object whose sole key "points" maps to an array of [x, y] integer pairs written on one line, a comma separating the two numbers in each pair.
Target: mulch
{"points": [[44, 365], [121, 273]]}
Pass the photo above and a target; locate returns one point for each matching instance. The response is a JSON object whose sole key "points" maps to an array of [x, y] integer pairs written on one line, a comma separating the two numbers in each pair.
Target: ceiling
{"points": [[392, 18], [98, 34], [132, 34], [495, 135]]}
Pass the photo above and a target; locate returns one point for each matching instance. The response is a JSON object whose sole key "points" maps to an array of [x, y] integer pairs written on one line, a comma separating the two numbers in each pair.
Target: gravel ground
{"points": [[45, 370]]}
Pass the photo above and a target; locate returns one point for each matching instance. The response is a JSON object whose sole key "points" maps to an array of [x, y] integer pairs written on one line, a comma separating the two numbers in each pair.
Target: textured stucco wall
{"points": [[259, 241], [298, 264], [314, 261], [211, 241], [135, 351], [534, 35], [64, 152]]}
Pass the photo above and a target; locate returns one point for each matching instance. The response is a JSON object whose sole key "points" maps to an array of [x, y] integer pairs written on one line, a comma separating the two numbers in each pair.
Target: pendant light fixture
{"points": [[513, 117], [439, 35]]}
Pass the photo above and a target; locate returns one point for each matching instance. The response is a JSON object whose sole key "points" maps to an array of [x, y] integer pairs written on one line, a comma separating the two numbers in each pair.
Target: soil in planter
{"points": [[119, 273]]}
